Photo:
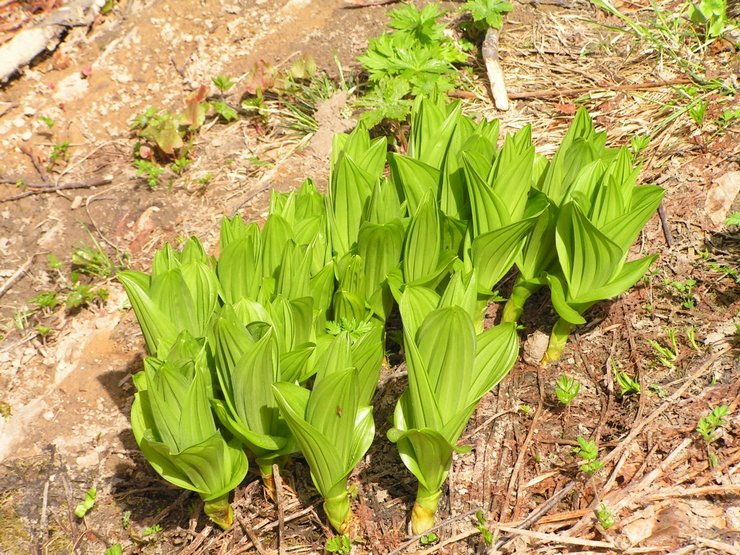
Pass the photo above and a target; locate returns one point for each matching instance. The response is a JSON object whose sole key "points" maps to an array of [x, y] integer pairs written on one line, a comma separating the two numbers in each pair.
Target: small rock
{"points": [[76, 203], [48, 415], [86, 461], [26, 136], [19, 122], [535, 347], [29, 111]]}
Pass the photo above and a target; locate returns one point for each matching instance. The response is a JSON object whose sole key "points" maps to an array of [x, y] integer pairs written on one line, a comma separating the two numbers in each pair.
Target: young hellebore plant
{"points": [[449, 370], [174, 427], [180, 294], [333, 424], [247, 364], [581, 240]]}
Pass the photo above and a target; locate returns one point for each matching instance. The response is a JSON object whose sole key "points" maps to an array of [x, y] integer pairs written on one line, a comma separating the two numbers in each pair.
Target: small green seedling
{"points": [[708, 424], [49, 122], [707, 428], [126, 519], [589, 454], [205, 179], [59, 152], [181, 164], [658, 390], [667, 356], [691, 336], [605, 516], [114, 549], [638, 143], [149, 171], [526, 409], [339, 544], [428, 539], [686, 291], [225, 111], [83, 294], [222, 83], [734, 219], [487, 13], [485, 533], [697, 111], [45, 300], [92, 261], [83, 508], [43, 331], [566, 389], [151, 530], [627, 385]]}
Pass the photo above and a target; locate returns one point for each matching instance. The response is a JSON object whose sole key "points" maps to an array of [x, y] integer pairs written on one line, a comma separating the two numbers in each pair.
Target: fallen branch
{"points": [[29, 43], [37, 188], [489, 51]]}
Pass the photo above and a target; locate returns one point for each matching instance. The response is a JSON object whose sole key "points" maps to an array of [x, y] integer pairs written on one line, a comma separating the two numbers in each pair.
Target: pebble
{"points": [[26, 136], [29, 111]]}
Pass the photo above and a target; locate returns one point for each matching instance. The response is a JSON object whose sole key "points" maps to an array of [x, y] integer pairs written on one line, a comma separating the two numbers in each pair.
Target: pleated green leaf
{"points": [[158, 329], [414, 178], [587, 257]]}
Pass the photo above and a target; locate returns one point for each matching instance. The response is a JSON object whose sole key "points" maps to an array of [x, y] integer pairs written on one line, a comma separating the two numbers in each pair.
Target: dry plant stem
{"points": [[514, 479], [414, 539], [719, 546], [249, 531], [555, 538], [623, 497], [18, 274], [637, 429], [550, 93], [489, 50], [279, 501], [729, 489]]}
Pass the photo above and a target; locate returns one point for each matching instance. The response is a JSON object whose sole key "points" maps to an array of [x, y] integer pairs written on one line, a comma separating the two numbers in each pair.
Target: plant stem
{"points": [[514, 307], [219, 511], [268, 479], [338, 511], [558, 338], [425, 507]]}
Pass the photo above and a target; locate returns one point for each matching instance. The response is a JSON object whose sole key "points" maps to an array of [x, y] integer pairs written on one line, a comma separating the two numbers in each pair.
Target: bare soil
{"points": [[65, 398]]}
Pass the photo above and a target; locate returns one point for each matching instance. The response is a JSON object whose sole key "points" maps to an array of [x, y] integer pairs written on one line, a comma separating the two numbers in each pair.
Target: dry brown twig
{"points": [[18, 274], [280, 508]]}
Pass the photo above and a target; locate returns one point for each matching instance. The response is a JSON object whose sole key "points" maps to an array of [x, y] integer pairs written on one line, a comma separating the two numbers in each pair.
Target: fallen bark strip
{"points": [[29, 43]]}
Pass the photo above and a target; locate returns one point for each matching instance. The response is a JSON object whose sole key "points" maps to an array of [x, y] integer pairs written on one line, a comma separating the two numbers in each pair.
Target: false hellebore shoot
{"points": [[276, 346]]}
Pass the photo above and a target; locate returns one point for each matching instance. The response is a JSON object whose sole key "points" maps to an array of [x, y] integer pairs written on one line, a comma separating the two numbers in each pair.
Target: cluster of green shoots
{"points": [[418, 57], [166, 137], [276, 346]]}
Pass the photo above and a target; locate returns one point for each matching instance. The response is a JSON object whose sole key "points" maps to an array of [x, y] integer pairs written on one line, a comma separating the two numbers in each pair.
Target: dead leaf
{"points": [[721, 196]]}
